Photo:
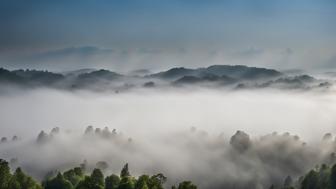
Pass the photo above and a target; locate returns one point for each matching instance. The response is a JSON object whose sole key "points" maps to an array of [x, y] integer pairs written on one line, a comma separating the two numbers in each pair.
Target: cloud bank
{"points": [[186, 136]]}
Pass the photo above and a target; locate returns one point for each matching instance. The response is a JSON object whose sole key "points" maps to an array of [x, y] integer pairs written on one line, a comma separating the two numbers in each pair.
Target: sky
{"points": [[150, 34]]}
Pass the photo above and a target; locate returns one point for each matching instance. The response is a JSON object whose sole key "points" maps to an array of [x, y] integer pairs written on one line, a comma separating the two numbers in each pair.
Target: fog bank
{"points": [[185, 135], [256, 112]]}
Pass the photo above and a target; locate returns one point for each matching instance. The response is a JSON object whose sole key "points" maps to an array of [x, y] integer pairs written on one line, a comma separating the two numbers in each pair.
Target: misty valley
{"points": [[223, 126], [167, 94]]}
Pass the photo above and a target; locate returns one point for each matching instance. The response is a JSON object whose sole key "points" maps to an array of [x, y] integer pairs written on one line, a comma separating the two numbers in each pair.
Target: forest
{"points": [[77, 179], [320, 177]]}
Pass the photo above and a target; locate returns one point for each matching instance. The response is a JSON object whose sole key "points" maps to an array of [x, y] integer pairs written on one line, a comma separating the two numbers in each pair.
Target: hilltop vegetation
{"points": [[321, 177], [77, 179]]}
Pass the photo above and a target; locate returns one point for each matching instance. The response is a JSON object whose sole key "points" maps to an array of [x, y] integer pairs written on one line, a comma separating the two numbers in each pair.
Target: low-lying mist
{"points": [[185, 135]]}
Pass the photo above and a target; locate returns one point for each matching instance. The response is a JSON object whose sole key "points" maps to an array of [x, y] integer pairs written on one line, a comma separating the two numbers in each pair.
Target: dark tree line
{"points": [[322, 177], [76, 179]]}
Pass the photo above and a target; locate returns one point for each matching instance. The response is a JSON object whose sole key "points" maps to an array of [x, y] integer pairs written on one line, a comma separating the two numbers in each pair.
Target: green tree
{"points": [[95, 181], [5, 175], [144, 186], [59, 182], [74, 175], [97, 177], [79, 171], [22, 181], [142, 182], [311, 181], [156, 181], [186, 185], [124, 171], [127, 183], [88, 183], [112, 182]]}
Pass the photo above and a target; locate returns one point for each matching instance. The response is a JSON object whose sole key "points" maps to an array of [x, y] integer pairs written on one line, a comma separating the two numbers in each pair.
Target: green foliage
{"points": [[112, 182], [88, 183], [95, 181], [124, 171], [97, 177], [156, 181], [127, 183], [142, 182], [186, 185], [79, 171], [311, 180], [75, 179], [323, 177], [5, 175], [74, 176], [59, 182], [21, 181]]}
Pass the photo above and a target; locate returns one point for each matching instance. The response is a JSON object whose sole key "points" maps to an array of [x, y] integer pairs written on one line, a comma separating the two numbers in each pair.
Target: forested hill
{"points": [[217, 76]]}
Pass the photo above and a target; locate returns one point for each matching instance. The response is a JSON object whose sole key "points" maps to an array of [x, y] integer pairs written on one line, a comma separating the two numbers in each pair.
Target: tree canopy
{"points": [[76, 179]]}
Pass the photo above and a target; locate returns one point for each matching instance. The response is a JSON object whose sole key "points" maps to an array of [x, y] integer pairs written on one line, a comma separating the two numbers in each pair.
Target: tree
{"points": [[78, 171], [95, 181], [156, 181], [5, 175], [124, 171], [332, 179], [42, 137], [240, 141], [89, 130], [142, 182], [144, 187], [3, 140], [324, 176], [59, 182], [127, 182], [74, 175], [83, 165], [88, 183], [186, 185], [112, 182], [97, 177], [22, 181], [310, 181]]}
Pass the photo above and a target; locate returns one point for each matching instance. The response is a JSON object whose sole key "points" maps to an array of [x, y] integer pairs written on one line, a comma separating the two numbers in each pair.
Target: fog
{"points": [[186, 135]]}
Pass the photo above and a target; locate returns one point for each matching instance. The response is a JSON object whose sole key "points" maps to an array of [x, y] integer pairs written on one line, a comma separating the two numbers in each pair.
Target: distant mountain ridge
{"points": [[232, 71], [233, 76]]}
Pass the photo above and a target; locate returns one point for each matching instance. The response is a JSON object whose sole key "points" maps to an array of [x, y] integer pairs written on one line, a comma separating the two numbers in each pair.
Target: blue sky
{"points": [[206, 25]]}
